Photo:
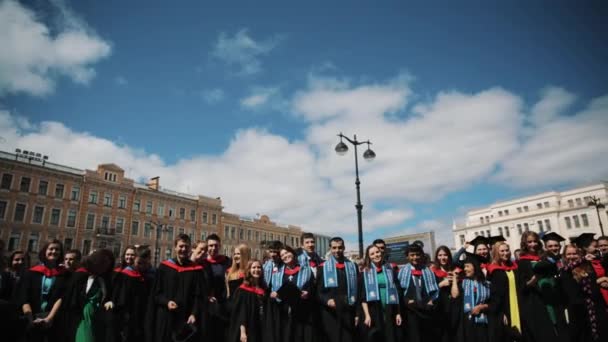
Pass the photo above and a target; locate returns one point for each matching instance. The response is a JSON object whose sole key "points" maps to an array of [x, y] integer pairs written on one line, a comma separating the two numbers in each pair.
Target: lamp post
{"points": [[159, 229], [595, 202], [369, 155]]}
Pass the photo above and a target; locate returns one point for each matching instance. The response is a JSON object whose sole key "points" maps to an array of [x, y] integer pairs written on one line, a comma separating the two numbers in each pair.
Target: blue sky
{"points": [[466, 103]]}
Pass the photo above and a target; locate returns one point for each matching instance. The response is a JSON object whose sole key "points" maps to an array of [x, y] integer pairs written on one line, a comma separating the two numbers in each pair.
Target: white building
{"points": [[566, 213]]}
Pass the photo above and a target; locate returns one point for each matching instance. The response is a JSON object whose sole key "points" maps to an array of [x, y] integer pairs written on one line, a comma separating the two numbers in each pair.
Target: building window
{"points": [[546, 204], [519, 230], [547, 225], [71, 218], [136, 205], [519, 209], [24, 186], [577, 223], [226, 232], [3, 205], [90, 221], [43, 187], [241, 234], [568, 223], [487, 219], [55, 215], [526, 227], [525, 208], [539, 205], [271, 236], [192, 215], [204, 217], [476, 233], [93, 197], [75, 196], [105, 222], [168, 253], [122, 201], [67, 243], [147, 230], [500, 213], [149, 205], [507, 233], [107, 200], [264, 236], [32, 243], [182, 213], [506, 212], [14, 242], [59, 188], [481, 219], [7, 180], [19, 212], [488, 233], [540, 225], [585, 220], [171, 212], [249, 234], [120, 223], [257, 236], [203, 235], [214, 219], [570, 203], [86, 247], [181, 230], [500, 231], [135, 228], [579, 202], [170, 233], [160, 211], [232, 232]]}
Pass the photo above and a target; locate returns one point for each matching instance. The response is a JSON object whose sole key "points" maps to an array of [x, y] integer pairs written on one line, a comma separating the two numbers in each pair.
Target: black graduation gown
{"points": [[130, 299], [11, 325], [499, 306], [248, 311], [30, 291], [293, 323], [339, 323], [383, 327], [445, 320], [419, 317], [578, 315], [217, 312], [468, 330], [536, 323], [182, 284]]}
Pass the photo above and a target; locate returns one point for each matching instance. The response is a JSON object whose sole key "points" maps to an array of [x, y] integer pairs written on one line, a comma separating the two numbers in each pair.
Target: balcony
{"points": [[105, 232]]}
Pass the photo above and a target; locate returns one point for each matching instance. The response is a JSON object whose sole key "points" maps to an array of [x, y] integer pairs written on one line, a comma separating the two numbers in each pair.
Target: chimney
{"points": [[154, 183]]}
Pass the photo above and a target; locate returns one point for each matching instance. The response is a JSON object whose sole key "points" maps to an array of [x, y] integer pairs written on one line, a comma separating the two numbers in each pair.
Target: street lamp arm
{"points": [[354, 142]]}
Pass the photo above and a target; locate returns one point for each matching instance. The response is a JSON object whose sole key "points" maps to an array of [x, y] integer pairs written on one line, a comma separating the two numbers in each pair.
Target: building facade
{"points": [[396, 246], [566, 213], [88, 209]]}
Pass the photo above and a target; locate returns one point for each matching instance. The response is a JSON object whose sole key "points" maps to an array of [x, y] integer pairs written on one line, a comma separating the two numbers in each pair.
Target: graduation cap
{"points": [[289, 293], [478, 240], [583, 240], [552, 237], [494, 239]]}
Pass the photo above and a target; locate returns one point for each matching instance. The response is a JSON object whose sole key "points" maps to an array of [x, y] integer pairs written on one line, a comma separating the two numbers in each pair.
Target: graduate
{"points": [[337, 291], [11, 325], [40, 294], [504, 304], [292, 293], [472, 296], [215, 267], [552, 248], [381, 319], [588, 244], [588, 321], [480, 248], [246, 317], [444, 269], [130, 297], [88, 298], [199, 252], [176, 296], [236, 272], [541, 309], [420, 293], [72, 259], [307, 252], [273, 249]]}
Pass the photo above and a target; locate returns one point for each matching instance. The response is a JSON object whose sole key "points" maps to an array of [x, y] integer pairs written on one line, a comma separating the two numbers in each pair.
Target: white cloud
{"points": [[259, 96], [32, 57], [242, 51], [213, 96]]}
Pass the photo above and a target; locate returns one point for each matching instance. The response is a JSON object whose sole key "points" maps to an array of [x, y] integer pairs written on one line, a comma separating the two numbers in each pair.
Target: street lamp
{"points": [[595, 202], [368, 155], [159, 230]]}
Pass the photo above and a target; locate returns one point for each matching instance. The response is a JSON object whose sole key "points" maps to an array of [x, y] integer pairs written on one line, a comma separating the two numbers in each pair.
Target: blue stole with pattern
{"points": [[268, 269], [372, 290], [330, 277], [428, 279], [302, 277], [475, 293]]}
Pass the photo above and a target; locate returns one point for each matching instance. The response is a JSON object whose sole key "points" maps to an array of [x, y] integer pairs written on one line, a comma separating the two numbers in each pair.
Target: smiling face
{"points": [[182, 250], [571, 254], [442, 258], [274, 255], [129, 257], [213, 248], [236, 256], [532, 244], [552, 247], [602, 245], [469, 270], [504, 253], [414, 258], [18, 261], [482, 250], [256, 269], [309, 245], [52, 252], [287, 257], [375, 255], [337, 249]]}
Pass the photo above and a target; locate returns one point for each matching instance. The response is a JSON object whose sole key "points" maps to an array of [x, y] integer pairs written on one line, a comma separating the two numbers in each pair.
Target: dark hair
{"points": [[42, 252], [26, 259], [414, 248], [214, 237], [603, 237], [524, 240], [249, 280], [75, 252], [450, 265], [123, 261], [306, 236], [290, 250], [181, 237], [275, 245], [377, 241], [336, 239], [477, 273], [367, 261], [94, 262], [143, 252]]}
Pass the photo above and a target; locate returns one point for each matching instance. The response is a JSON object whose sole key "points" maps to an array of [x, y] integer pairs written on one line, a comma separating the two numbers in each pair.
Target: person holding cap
{"points": [[552, 248], [588, 245], [480, 248]]}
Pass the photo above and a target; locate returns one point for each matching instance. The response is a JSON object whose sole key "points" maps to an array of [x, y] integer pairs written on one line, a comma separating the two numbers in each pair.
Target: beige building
{"points": [[567, 213], [396, 246], [88, 209]]}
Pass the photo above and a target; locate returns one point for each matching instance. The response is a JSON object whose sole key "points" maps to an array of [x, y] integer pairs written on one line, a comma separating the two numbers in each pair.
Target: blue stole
{"points": [[304, 258], [428, 278], [268, 269], [371, 285], [475, 293], [330, 277], [302, 277]]}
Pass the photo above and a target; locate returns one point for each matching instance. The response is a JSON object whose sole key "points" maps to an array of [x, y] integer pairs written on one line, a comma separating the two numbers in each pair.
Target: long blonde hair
{"points": [[239, 269], [496, 253]]}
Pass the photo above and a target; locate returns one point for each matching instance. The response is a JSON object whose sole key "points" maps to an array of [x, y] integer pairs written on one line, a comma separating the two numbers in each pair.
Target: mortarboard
{"points": [[478, 240], [494, 239], [583, 240], [552, 237]]}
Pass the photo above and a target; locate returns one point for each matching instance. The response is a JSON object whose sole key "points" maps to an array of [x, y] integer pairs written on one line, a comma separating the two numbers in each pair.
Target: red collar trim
{"points": [[530, 257], [340, 265], [292, 271], [48, 272], [416, 272], [257, 290], [118, 269], [493, 267], [439, 273], [82, 270], [133, 274], [312, 263], [180, 269], [217, 260]]}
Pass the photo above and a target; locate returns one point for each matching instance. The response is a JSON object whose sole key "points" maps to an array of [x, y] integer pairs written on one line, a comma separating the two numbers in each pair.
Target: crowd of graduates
{"points": [[548, 291]]}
